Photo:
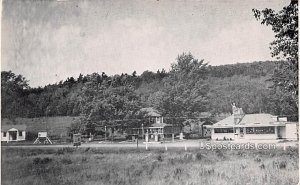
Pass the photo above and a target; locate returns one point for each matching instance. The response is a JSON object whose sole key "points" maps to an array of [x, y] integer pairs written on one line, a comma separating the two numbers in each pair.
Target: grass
{"points": [[91, 166]]}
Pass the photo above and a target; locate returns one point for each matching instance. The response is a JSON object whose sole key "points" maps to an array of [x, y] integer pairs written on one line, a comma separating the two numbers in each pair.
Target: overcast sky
{"points": [[48, 41]]}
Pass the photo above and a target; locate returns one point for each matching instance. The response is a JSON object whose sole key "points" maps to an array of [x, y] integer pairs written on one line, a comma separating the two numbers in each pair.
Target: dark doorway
{"points": [[12, 135]]}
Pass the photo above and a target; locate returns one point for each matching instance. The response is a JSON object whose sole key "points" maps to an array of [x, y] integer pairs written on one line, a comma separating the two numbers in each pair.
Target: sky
{"points": [[48, 41]]}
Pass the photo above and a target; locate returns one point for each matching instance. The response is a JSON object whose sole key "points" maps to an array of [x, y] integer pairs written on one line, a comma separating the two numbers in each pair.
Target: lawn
{"points": [[130, 166]]}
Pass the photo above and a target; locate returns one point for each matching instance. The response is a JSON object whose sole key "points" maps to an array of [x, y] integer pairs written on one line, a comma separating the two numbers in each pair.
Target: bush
{"points": [[38, 160], [66, 161], [160, 158], [188, 157], [257, 159], [219, 153], [62, 151], [279, 164], [262, 166], [198, 156]]}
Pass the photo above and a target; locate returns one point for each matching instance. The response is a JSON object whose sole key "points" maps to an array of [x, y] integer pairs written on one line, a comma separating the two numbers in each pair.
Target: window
{"points": [[249, 130], [260, 130], [4, 134], [223, 130], [20, 133]]}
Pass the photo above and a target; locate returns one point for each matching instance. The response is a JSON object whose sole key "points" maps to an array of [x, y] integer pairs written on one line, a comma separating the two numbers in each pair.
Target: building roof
{"points": [[150, 111], [259, 120], [250, 120], [227, 122], [5, 128]]}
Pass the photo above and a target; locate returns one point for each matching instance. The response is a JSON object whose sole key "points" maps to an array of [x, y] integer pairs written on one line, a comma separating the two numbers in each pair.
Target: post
{"points": [[156, 137], [137, 141], [181, 136], [200, 145], [146, 146], [185, 147], [173, 138], [166, 148], [146, 137], [284, 146], [105, 134]]}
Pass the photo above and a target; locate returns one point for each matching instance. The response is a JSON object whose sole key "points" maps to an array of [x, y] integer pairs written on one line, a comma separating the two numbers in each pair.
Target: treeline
{"points": [[190, 88]]}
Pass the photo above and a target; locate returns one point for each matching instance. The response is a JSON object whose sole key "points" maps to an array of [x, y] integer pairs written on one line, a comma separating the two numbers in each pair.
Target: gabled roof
{"points": [[150, 111], [259, 120], [5, 128], [227, 122]]}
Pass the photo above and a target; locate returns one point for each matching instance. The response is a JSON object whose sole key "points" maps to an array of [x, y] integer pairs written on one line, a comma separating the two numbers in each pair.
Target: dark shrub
{"points": [[39, 160], [279, 164], [177, 173], [36, 160], [66, 161], [160, 158], [198, 156], [188, 157], [62, 151], [219, 153], [84, 159], [257, 159], [282, 164], [262, 166]]}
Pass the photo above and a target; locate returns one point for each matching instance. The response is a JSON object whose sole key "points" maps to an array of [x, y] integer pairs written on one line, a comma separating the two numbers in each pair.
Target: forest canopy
{"points": [[188, 89]]}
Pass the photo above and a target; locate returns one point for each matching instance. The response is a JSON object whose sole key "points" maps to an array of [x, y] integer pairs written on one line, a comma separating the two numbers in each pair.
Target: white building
{"points": [[254, 127], [13, 133]]}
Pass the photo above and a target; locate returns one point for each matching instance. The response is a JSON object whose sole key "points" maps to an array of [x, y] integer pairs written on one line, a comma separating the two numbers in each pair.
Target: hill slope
{"points": [[190, 87]]}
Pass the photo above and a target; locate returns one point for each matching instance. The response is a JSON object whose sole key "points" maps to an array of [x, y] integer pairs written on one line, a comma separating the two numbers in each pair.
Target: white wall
{"points": [[23, 137], [2, 136], [291, 131], [260, 136], [220, 136]]}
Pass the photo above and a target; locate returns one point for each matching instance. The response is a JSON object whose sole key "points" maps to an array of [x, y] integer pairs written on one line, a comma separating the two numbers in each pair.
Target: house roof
{"points": [[259, 120], [150, 111], [227, 122], [5, 128]]}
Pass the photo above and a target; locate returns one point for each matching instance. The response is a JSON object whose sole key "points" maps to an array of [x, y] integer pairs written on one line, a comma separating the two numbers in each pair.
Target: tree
{"points": [[13, 91], [285, 46]]}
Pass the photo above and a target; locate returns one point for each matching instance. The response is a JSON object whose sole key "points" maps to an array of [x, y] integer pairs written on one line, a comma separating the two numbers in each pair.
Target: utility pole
{"points": [[142, 130], [105, 133]]}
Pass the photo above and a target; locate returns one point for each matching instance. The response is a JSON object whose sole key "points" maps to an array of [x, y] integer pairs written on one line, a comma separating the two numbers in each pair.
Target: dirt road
{"points": [[184, 145]]}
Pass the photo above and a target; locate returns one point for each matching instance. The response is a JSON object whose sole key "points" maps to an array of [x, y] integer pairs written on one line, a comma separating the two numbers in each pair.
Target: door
{"points": [[12, 135], [241, 133]]}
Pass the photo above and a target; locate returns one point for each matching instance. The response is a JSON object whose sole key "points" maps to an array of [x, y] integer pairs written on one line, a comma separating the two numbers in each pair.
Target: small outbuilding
{"points": [[13, 133]]}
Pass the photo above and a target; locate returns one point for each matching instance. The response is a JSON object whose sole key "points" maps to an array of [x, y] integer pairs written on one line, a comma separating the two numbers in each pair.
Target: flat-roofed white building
{"points": [[254, 127]]}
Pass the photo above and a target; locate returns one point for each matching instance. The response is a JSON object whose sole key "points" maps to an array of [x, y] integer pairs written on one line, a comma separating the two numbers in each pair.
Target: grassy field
{"points": [[56, 126], [129, 166]]}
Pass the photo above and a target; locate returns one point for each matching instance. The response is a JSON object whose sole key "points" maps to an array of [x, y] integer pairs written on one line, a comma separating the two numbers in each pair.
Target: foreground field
{"points": [[130, 166]]}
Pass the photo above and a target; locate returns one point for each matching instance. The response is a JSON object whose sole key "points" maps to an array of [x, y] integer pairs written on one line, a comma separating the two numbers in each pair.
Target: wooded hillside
{"points": [[189, 88]]}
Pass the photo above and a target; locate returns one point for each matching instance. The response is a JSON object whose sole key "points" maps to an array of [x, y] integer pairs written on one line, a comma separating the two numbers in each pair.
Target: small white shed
{"points": [[13, 133]]}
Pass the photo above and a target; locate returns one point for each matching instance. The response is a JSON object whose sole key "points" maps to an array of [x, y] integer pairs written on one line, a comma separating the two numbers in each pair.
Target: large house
{"points": [[253, 126], [157, 129], [13, 133]]}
